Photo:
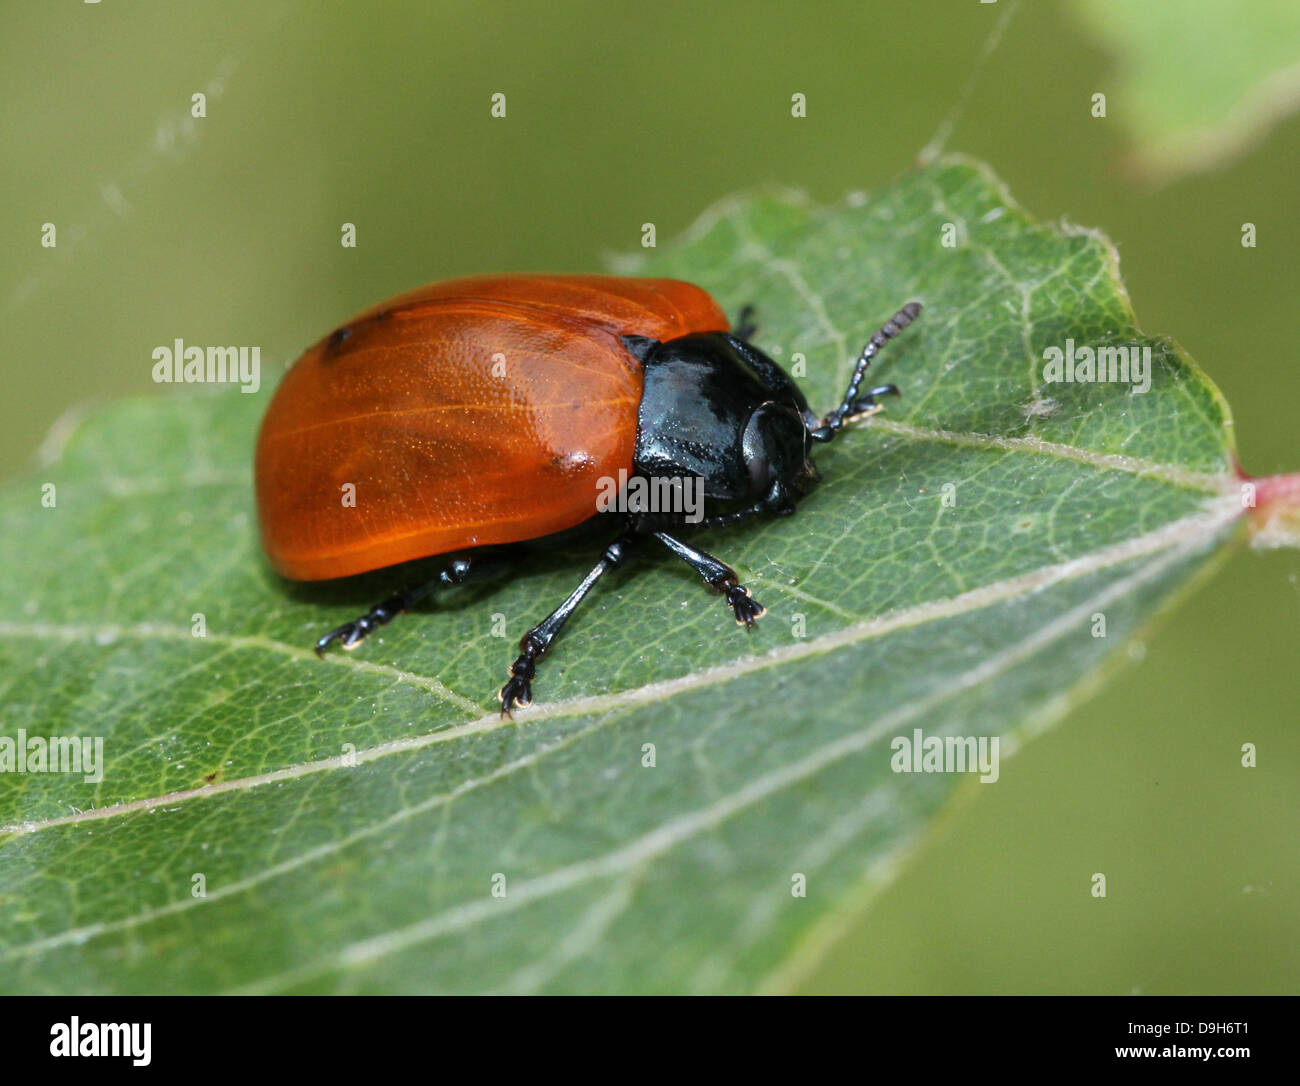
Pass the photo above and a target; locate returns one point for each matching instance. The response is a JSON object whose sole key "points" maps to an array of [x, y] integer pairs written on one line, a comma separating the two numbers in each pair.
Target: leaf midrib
{"points": [[1197, 527]]}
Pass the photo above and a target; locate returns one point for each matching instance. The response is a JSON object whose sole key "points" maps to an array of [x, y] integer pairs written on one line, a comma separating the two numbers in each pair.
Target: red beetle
{"points": [[495, 410]]}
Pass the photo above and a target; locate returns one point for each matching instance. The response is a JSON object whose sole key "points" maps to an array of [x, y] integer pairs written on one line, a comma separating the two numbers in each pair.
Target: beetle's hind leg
{"points": [[720, 577], [351, 634], [537, 642]]}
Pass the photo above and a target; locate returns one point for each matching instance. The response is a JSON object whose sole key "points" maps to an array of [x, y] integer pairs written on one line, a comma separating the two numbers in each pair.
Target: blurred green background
{"points": [[226, 230]]}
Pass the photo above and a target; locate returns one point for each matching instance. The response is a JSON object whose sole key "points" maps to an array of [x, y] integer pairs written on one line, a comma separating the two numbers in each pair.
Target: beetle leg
{"points": [[351, 634], [746, 326], [865, 406], [724, 520], [537, 642], [866, 403], [720, 577]]}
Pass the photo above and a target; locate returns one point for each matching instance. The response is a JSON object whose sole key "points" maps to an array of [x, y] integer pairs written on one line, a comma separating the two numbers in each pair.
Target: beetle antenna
{"points": [[852, 405]]}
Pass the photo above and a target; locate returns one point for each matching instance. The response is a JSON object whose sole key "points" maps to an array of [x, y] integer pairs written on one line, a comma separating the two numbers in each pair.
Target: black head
{"points": [[717, 409]]}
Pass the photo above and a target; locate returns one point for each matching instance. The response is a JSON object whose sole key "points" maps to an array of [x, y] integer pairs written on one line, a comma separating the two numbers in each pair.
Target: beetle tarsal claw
{"points": [[516, 694], [747, 609], [347, 636]]}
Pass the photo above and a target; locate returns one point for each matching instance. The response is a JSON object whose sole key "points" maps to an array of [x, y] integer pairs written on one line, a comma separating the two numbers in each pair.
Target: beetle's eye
{"points": [[760, 473], [775, 445]]}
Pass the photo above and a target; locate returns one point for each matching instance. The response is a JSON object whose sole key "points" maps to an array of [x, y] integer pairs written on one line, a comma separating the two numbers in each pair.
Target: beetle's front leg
{"points": [[865, 406]]}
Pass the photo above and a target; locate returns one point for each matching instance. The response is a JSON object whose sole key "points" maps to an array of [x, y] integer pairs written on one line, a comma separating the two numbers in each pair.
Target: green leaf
{"points": [[947, 576], [1196, 87]]}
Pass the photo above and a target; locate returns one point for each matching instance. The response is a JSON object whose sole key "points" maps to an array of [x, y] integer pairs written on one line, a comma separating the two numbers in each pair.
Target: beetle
{"points": [[487, 411]]}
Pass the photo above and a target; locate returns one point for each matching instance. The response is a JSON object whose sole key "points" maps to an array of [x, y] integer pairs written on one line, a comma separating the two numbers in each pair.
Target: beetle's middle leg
{"points": [[720, 577], [537, 641], [351, 634]]}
